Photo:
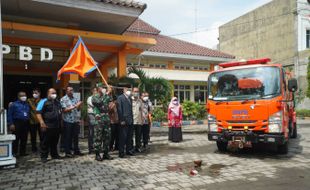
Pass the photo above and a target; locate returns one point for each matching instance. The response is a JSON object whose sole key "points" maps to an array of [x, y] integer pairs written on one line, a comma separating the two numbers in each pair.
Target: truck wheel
{"points": [[221, 146], [283, 148], [294, 132]]}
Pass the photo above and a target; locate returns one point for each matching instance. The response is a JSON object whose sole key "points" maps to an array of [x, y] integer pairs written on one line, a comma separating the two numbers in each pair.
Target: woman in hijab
{"points": [[175, 120]]}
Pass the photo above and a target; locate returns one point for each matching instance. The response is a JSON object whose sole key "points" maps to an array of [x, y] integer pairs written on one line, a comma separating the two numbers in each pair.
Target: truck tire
{"points": [[294, 132], [283, 148], [222, 146]]}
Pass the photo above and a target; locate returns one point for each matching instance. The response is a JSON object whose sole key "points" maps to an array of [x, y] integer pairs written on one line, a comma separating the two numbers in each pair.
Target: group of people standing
{"points": [[115, 123], [44, 118]]}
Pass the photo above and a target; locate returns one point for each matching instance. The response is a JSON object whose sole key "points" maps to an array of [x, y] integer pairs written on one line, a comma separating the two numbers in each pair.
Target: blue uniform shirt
{"points": [[18, 111]]}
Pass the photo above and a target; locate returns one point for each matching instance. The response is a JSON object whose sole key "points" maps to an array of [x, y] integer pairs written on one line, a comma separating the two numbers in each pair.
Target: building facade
{"points": [[38, 41], [185, 65], [279, 30]]}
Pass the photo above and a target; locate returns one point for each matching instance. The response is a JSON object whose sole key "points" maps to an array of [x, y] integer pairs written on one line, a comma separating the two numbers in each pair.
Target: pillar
{"points": [[121, 64], [170, 65]]}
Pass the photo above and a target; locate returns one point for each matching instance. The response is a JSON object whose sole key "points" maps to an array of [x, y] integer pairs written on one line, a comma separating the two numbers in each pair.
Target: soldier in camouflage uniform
{"points": [[102, 130]]}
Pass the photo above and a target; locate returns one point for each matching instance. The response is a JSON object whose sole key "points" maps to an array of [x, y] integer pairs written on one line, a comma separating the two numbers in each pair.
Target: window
{"points": [[182, 92], [308, 38], [200, 94]]}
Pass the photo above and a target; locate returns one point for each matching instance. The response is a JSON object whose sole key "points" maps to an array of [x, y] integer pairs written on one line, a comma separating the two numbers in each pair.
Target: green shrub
{"points": [[159, 114], [193, 111], [303, 113]]}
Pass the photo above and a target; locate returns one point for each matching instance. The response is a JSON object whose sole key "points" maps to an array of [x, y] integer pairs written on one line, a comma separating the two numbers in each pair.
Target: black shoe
{"points": [[57, 157], [130, 153], [107, 157], [78, 153], [69, 155], [98, 157], [138, 150], [90, 152], [43, 160], [121, 155]]}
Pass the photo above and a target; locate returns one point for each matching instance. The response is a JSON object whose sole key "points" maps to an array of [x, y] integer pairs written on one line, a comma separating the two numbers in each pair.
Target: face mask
{"points": [[53, 96], [104, 91], [35, 96], [128, 93], [145, 99], [136, 94], [175, 102], [23, 98]]}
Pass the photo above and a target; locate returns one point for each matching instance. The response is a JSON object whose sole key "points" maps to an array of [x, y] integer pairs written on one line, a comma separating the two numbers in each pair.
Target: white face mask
{"points": [[53, 96], [23, 98], [175, 102], [35, 96], [104, 91], [145, 98], [128, 92]]}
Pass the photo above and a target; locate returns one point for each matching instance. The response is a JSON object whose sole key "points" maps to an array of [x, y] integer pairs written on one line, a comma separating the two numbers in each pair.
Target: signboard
{"points": [[4, 150], [26, 53]]}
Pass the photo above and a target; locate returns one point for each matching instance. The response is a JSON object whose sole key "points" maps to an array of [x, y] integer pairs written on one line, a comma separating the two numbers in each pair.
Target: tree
{"points": [[159, 88], [308, 78]]}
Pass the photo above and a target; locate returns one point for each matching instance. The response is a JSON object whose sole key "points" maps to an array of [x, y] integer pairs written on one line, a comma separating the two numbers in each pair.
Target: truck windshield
{"points": [[244, 84]]}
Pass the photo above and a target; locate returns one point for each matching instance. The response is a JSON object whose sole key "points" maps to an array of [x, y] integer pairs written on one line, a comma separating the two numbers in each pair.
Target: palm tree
{"points": [[159, 88]]}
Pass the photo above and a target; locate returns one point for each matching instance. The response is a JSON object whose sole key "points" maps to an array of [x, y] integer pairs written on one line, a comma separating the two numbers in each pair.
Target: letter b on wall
{"points": [[25, 53]]}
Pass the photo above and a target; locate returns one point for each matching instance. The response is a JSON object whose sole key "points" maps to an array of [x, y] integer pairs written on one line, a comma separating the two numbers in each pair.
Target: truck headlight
{"points": [[212, 126], [275, 123]]}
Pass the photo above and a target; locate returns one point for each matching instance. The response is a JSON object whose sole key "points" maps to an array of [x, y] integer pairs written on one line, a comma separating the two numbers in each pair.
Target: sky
{"points": [[174, 17]]}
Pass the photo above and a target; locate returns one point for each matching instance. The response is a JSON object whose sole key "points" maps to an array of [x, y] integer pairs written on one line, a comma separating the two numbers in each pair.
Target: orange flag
{"points": [[79, 62]]}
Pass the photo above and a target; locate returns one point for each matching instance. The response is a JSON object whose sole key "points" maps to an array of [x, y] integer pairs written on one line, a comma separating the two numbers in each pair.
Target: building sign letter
{"points": [[6, 49], [46, 54], [25, 53]]}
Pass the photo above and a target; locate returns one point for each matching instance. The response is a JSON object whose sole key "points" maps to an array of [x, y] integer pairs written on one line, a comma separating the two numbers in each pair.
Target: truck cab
{"points": [[251, 102]]}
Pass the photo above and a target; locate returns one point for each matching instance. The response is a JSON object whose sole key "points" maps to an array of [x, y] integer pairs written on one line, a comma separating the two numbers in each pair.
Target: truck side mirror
{"points": [[292, 85]]}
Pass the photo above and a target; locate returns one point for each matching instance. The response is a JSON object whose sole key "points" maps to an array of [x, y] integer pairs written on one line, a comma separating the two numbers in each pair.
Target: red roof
{"points": [[142, 27], [125, 3], [166, 44]]}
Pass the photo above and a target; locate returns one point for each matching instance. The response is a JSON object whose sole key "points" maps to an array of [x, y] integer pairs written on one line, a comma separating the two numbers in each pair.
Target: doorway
{"points": [[15, 83]]}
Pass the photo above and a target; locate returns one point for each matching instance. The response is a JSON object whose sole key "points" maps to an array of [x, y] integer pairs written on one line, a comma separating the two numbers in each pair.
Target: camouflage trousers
{"points": [[102, 136]]}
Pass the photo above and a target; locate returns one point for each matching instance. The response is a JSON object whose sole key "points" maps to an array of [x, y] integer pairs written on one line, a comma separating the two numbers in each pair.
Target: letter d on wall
{"points": [[25, 53], [46, 54]]}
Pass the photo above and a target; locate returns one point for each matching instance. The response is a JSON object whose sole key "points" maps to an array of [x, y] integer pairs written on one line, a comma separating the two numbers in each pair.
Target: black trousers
{"points": [[21, 134], [137, 130], [125, 138], [114, 143], [72, 131], [50, 138], [145, 134], [34, 132]]}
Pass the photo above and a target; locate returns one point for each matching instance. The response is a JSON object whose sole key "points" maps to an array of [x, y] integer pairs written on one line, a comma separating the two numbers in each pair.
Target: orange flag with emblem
{"points": [[79, 62]]}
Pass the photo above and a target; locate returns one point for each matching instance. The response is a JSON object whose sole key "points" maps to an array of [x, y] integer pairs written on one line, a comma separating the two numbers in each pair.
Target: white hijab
{"points": [[175, 108]]}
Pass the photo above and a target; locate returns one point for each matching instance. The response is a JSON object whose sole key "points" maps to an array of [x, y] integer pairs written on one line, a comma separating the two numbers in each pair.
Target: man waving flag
{"points": [[80, 62]]}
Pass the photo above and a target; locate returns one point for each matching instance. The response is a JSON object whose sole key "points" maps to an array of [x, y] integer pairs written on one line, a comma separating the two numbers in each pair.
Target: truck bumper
{"points": [[248, 136]]}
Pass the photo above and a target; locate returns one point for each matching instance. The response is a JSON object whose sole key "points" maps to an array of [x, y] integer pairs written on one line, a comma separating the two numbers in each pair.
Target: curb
{"points": [[184, 123]]}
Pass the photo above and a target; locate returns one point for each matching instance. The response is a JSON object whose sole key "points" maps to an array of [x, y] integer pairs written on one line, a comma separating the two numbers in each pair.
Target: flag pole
{"points": [[105, 82]]}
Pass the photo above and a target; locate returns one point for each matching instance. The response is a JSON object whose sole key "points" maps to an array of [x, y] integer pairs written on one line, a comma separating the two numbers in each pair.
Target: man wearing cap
{"points": [[102, 130]]}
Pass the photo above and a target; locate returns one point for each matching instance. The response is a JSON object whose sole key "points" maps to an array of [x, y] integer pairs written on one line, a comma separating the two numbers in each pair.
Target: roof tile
{"points": [[166, 44]]}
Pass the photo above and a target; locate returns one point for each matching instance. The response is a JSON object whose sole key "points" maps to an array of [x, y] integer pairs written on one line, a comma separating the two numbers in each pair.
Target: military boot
{"points": [[107, 157], [98, 157]]}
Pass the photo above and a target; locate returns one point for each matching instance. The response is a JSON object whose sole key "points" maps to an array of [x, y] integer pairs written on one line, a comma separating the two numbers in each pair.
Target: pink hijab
{"points": [[175, 108]]}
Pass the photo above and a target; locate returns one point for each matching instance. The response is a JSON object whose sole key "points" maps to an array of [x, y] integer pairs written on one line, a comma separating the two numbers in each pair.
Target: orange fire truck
{"points": [[251, 102]]}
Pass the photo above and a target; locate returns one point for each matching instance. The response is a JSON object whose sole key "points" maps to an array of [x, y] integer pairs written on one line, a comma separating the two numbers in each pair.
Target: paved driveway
{"points": [[168, 165]]}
